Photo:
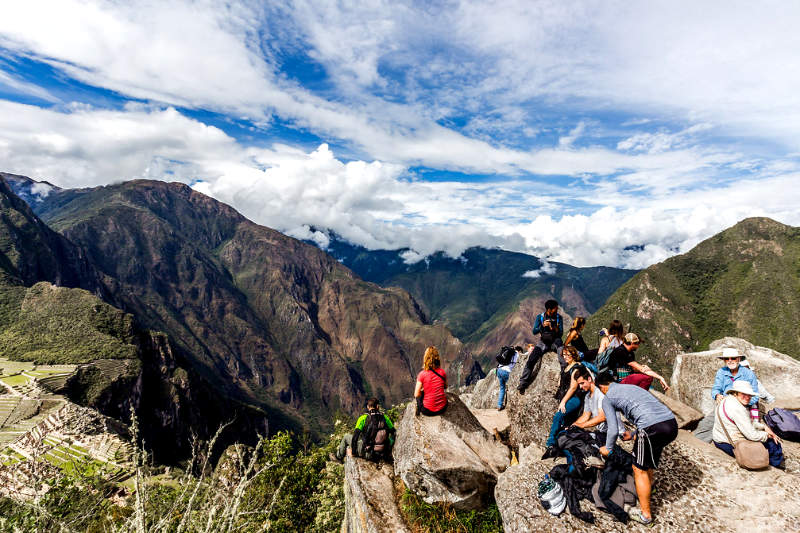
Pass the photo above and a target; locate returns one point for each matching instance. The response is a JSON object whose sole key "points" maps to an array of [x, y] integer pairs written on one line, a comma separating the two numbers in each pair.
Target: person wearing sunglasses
{"points": [[732, 372]]}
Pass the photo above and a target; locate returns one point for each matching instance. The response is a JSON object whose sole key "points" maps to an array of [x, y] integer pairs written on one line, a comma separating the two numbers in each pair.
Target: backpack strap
{"points": [[722, 406], [438, 375]]}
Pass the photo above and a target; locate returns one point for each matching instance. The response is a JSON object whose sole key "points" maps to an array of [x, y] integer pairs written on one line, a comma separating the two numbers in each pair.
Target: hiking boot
{"points": [[637, 516], [501, 407], [521, 392], [550, 453]]}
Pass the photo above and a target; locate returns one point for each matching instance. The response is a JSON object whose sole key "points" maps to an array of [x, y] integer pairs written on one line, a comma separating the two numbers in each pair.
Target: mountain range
{"points": [[743, 282]]}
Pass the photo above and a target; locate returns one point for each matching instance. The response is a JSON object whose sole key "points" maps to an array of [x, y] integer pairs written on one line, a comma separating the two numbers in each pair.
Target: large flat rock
{"points": [[693, 374], [699, 488], [687, 416], [450, 458], [532, 413]]}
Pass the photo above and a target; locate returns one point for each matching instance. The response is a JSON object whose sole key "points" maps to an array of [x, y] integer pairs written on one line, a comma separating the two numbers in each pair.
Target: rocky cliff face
{"points": [[265, 318], [743, 282]]}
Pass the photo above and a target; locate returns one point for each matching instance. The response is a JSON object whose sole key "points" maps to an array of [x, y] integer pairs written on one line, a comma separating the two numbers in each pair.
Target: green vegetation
{"points": [[743, 282], [426, 518], [57, 325]]}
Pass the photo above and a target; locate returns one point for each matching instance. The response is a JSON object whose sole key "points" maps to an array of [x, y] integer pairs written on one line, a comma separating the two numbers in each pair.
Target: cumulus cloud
{"points": [[382, 205], [547, 269]]}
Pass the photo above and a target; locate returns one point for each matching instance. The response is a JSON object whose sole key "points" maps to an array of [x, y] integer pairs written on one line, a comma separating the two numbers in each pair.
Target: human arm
{"points": [[537, 325], [751, 378], [559, 326], [587, 420], [418, 389], [604, 342], [611, 420], [570, 337], [573, 386], [734, 411], [581, 421], [646, 370], [719, 383]]}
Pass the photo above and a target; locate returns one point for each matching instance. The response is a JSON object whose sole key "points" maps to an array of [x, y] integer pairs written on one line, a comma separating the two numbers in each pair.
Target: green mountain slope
{"points": [[475, 293], [743, 282]]}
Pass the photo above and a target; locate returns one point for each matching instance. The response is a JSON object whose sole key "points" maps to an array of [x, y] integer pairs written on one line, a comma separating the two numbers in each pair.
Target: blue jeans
{"points": [[573, 404], [502, 377], [775, 450]]}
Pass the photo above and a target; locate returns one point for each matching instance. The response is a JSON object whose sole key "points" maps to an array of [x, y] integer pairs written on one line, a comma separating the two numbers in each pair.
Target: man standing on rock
{"points": [[656, 427], [550, 326]]}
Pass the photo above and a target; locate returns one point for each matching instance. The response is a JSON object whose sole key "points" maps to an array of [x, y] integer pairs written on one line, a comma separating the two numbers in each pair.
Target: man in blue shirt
{"points": [[550, 327], [732, 372]]}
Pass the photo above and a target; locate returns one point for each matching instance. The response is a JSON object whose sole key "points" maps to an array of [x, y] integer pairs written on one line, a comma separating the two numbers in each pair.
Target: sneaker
{"points": [[521, 392], [637, 516], [501, 407], [550, 453]]}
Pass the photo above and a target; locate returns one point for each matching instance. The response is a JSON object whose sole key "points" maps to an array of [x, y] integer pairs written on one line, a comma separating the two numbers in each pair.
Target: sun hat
{"points": [[731, 352], [741, 386], [631, 338]]}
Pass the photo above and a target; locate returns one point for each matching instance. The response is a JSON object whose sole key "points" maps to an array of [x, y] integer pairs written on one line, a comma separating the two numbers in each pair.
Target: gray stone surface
{"points": [[687, 416], [532, 413], [370, 505], [698, 489], [449, 458], [693, 374]]}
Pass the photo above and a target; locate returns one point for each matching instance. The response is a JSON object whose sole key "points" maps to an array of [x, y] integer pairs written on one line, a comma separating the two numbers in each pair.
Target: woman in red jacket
{"points": [[431, 385]]}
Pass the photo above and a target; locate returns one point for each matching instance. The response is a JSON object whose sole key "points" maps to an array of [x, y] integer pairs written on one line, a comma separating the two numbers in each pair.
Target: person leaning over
{"points": [[550, 328], [613, 338], [656, 427], [593, 415], [431, 385], [630, 372], [732, 423]]}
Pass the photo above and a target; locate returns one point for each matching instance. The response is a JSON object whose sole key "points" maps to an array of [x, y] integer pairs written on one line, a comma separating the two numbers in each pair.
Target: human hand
{"points": [[562, 407], [604, 451], [626, 436], [718, 398]]}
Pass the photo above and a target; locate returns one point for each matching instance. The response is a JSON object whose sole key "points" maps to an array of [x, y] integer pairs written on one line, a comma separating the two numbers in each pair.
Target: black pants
{"points": [[427, 412], [540, 349]]}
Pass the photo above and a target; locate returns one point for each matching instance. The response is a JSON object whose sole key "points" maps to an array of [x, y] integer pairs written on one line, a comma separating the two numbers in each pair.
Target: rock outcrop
{"points": [[698, 489], [686, 415], [532, 413], [370, 505], [450, 458], [693, 374]]}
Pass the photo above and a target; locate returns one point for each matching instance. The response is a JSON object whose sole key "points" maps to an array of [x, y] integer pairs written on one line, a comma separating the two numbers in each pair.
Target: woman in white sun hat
{"points": [[732, 423]]}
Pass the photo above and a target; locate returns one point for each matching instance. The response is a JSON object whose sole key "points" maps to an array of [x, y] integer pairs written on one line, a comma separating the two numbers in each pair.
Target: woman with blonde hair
{"points": [[431, 385]]}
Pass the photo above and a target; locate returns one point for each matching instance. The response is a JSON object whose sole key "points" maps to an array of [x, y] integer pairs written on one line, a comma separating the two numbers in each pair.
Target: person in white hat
{"points": [[732, 372], [733, 419]]}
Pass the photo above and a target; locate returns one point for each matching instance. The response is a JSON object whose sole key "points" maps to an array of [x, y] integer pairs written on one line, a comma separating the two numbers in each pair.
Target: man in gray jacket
{"points": [[656, 427]]}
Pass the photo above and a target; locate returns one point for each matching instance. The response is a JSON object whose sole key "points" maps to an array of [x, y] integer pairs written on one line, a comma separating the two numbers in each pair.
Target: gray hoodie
{"points": [[635, 404]]}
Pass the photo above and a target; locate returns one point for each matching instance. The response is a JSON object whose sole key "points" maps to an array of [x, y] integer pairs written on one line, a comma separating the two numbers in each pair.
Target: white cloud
{"points": [[547, 269], [378, 204]]}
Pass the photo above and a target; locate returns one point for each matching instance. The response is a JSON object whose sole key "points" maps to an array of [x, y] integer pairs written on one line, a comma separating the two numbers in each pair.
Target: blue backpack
{"points": [[784, 423]]}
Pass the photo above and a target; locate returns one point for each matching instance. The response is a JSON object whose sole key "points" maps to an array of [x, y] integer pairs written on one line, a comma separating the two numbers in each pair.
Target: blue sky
{"points": [[588, 132]]}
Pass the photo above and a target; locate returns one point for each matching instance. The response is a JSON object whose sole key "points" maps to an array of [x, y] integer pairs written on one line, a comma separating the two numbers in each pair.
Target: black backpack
{"points": [[376, 437], [505, 356]]}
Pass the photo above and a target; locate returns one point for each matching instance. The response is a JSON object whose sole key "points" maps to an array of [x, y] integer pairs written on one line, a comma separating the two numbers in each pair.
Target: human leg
{"points": [[526, 378], [642, 481], [640, 380], [775, 452], [346, 441], [502, 377], [725, 447], [558, 420]]}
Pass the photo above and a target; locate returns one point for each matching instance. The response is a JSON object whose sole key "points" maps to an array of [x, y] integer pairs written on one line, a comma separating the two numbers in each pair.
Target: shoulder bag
{"points": [[749, 454]]}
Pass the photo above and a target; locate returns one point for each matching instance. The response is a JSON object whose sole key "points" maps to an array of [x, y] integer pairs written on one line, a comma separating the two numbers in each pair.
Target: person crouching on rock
{"points": [[372, 438], [630, 372], [550, 326], [733, 423], [656, 427], [593, 415], [569, 396], [431, 385]]}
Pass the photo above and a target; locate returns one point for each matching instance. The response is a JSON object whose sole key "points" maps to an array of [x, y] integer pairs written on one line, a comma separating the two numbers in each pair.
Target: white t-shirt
{"points": [[593, 403]]}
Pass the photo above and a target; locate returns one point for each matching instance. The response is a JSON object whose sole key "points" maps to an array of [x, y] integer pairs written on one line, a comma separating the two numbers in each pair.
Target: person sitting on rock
{"points": [[622, 362], [656, 427], [367, 440], [550, 326], [732, 372], [614, 336], [431, 385], [575, 338], [593, 415], [732, 423], [504, 371], [569, 397]]}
